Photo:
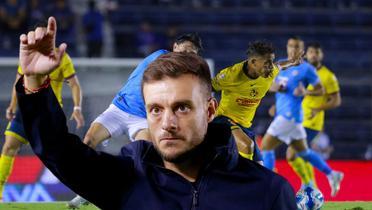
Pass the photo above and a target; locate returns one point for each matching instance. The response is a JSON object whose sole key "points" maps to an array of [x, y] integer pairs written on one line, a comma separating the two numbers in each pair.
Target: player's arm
{"points": [[275, 87], [221, 80], [296, 60], [81, 168], [333, 101], [317, 91], [77, 97], [10, 111], [244, 143]]}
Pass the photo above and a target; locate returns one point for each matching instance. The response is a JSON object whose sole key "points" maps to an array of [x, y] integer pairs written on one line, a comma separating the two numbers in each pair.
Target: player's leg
{"points": [[138, 128], [96, 134], [243, 142], [299, 167], [269, 144], [111, 123], [8, 153], [276, 134], [143, 134], [303, 168], [14, 138], [311, 135], [243, 138], [13, 141], [334, 177]]}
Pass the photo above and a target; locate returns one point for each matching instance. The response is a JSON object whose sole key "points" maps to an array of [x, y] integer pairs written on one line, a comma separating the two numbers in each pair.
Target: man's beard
{"points": [[190, 154]]}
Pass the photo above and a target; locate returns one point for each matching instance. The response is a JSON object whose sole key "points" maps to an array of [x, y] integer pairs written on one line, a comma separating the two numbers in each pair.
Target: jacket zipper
{"points": [[195, 193], [195, 199]]}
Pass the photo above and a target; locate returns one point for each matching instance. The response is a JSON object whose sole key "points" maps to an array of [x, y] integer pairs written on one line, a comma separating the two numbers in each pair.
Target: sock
{"points": [[6, 166], [269, 159], [246, 155], [316, 160], [310, 172], [299, 166]]}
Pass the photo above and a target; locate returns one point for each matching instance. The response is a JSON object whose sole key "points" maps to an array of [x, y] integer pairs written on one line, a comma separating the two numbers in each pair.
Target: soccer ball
{"points": [[309, 199]]}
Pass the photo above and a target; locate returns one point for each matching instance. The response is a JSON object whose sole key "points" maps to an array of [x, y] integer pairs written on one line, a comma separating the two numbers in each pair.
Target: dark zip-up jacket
{"points": [[136, 178]]}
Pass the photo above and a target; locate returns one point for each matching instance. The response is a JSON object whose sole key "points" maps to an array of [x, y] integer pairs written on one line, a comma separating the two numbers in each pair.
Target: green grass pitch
{"points": [[62, 206]]}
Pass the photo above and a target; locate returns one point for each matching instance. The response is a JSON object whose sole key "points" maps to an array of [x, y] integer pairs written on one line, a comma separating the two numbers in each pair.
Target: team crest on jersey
{"points": [[295, 72], [253, 93], [221, 76]]}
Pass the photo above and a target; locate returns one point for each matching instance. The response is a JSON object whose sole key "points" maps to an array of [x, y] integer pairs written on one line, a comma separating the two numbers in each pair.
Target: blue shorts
{"points": [[311, 134], [15, 128], [249, 132]]}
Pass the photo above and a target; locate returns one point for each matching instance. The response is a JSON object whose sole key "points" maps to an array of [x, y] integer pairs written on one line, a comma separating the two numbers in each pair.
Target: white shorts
{"points": [[118, 122], [286, 130]]}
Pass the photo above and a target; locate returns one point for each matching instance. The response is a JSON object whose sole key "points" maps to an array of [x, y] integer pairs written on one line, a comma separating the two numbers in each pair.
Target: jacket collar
{"points": [[220, 147]]}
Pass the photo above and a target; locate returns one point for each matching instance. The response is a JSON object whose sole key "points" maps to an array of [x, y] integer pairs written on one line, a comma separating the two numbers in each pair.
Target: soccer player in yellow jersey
{"points": [[14, 133], [314, 106], [243, 85]]}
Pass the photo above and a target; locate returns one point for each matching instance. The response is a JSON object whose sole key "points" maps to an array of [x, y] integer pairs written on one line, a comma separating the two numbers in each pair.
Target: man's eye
{"points": [[155, 110], [183, 109]]}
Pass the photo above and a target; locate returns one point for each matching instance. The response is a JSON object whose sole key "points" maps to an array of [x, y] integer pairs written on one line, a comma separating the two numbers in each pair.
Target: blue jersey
{"points": [[287, 104], [129, 98]]}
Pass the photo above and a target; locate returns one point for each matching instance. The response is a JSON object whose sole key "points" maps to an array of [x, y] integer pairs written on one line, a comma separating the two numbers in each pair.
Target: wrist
{"points": [[34, 81], [34, 85], [77, 108]]}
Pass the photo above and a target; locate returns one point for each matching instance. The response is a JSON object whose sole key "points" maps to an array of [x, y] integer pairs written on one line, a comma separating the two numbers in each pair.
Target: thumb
{"points": [[61, 50]]}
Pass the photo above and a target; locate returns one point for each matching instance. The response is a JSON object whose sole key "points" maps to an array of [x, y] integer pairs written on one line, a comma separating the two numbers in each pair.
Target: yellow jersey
{"points": [[330, 84], [241, 95], [64, 71]]}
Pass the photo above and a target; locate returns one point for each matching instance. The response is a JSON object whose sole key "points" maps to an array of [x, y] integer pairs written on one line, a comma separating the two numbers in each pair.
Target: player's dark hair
{"points": [[314, 45], [260, 48], [176, 64], [191, 37], [297, 38]]}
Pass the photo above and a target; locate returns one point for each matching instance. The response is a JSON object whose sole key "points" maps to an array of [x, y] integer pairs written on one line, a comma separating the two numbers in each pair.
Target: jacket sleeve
{"points": [[101, 178], [285, 198]]}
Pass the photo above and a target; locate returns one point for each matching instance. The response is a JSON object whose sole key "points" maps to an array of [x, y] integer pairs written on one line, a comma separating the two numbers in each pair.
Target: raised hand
{"points": [[37, 52], [300, 90]]}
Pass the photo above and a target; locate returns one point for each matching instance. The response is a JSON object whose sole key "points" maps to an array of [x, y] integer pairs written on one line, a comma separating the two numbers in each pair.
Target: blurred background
{"points": [[107, 38]]}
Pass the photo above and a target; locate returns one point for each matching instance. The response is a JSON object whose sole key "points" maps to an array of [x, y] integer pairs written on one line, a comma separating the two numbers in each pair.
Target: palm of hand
{"points": [[37, 53], [38, 58]]}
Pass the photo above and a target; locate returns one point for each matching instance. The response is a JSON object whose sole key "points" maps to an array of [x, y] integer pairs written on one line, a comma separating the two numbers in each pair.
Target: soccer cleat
{"points": [[76, 202], [335, 179]]}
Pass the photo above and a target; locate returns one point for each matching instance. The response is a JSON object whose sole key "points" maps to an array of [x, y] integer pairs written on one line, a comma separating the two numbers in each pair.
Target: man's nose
{"points": [[169, 122]]}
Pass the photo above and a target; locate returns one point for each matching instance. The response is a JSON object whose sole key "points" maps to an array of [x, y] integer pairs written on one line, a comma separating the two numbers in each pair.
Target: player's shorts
{"points": [[15, 128], [311, 134], [118, 122], [286, 130], [249, 132]]}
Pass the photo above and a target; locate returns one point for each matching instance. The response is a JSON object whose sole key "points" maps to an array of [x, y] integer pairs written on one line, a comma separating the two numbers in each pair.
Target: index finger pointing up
{"points": [[52, 26]]}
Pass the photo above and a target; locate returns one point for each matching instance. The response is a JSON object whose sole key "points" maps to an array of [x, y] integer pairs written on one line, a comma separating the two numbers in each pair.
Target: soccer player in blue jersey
{"points": [[127, 112], [287, 125]]}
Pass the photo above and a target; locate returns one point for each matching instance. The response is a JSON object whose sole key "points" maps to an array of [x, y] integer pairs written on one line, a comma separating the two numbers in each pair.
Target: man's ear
{"points": [[174, 46], [212, 108]]}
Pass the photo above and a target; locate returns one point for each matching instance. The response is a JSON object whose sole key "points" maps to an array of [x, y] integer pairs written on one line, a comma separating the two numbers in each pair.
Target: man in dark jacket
{"points": [[190, 164]]}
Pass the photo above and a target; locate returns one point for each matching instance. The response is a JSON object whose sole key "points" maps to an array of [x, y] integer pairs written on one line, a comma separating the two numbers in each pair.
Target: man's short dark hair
{"points": [[191, 37], [315, 45], [260, 48], [176, 64]]}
